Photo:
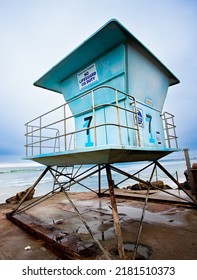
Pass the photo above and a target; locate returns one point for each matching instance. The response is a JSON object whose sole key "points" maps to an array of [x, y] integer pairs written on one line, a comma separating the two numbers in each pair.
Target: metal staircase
{"points": [[63, 178]]}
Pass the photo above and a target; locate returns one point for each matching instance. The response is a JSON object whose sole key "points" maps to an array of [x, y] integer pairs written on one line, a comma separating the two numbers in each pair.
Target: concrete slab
{"points": [[165, 196], [169, 231]]}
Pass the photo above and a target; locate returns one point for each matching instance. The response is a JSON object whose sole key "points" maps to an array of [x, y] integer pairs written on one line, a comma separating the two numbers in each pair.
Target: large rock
{"points": [[154, 185], [20, 195]]}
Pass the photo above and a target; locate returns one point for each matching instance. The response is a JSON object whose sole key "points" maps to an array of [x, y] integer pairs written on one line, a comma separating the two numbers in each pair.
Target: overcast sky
{"points": [[37, 34]]}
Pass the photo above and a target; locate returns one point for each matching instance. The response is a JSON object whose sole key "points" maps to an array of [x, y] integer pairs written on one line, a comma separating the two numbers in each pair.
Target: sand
{"points": [[169, 231]]}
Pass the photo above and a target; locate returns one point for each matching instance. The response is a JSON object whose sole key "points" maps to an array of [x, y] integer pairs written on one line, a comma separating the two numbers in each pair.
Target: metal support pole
{"points": [[190, 177], [146, 183], [99, 179], [72, 181], [115, 213], [31, 188], [143, 214], [106, 254], [174, 180]]}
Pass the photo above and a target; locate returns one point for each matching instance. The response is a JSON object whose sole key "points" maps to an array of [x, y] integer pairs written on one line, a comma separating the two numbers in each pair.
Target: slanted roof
{"points": [[107, 37]]}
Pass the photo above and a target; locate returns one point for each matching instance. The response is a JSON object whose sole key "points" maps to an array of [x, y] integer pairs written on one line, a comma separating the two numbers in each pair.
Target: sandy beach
{"points": [[169, 230]]}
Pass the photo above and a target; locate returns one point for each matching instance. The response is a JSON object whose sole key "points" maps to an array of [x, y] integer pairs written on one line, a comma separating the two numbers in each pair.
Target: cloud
{"points": [[35, 35]]}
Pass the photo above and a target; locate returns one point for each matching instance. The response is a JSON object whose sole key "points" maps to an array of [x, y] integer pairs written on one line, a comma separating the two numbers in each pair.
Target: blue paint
{"points": [[110, 71], [87, 124], [140, 117], [149, 120], [113, 57], [146, 81]]}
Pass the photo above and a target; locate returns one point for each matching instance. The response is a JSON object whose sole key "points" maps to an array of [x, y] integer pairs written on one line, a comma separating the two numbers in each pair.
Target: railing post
{"points": [[137, 124], [118, 116], [32, 140], [40, 136], [94, 117], [65, 145], [26, 140]]}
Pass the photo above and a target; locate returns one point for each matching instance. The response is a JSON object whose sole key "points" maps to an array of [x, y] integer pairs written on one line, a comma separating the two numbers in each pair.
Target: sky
{"points": [[37, 34]]}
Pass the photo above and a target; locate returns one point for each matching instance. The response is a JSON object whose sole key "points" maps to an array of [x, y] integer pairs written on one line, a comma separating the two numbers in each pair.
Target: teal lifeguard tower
{"points": [[114, 89]]}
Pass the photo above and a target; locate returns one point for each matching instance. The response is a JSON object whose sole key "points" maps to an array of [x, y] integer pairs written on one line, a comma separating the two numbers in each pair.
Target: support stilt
{"points": [[77, 178], [143, 213], [115, 213], [84, 222], [190, 177], [99, 180], [193, 202], [31, 188], [175, 181]]}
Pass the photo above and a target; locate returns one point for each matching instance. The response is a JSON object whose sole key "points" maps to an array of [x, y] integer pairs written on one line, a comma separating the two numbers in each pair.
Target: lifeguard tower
{"points": [[115, 90]]}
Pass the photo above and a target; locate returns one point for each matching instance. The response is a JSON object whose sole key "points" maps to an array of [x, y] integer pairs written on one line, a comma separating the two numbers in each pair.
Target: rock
{"points": [[158, 184], [154, 185], [166, 187], [135, 187], [186, 185], [20, 195], [11, 199]]}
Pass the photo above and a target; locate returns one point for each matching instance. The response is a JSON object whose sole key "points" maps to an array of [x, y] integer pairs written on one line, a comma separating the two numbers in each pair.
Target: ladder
{"points": [[170, 130], [62, 177]]}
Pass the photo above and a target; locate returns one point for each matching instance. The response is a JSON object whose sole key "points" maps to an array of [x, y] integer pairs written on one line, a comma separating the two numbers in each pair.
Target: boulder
{"points": [[154, 185], [20, 195], [158, 184]]}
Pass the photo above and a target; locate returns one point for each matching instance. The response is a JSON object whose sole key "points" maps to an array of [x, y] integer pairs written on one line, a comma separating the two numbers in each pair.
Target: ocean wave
{"points": [[21, 170]]}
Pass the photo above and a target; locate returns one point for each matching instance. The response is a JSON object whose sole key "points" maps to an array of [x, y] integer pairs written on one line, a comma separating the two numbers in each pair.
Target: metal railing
{"points": [[170, 130], [55, 131]]}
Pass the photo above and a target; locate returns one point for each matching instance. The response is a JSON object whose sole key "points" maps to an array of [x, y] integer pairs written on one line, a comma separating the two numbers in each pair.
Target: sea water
{"points": [[16, 178]]}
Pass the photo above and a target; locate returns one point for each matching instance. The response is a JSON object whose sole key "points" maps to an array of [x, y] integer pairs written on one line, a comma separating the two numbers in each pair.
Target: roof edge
{"points": [[49, 79]]}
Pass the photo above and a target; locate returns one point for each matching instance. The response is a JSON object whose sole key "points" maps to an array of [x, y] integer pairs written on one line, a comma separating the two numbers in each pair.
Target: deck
{"points": [[99, 155]]}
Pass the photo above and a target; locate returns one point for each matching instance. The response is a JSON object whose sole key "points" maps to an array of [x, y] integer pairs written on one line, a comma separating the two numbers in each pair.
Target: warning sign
{"points": [[87, 76]]}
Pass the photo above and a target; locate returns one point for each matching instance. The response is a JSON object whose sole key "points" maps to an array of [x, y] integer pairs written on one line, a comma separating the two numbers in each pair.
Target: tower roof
{"points": [[107, 37]]}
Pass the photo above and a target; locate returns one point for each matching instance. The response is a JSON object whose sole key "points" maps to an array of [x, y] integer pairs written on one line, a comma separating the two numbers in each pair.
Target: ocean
{"points": [[18, 177]]}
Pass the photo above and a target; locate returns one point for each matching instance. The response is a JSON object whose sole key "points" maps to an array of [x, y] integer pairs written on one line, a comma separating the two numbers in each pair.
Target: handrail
{"points": [[43, 135], [79, 97]]}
